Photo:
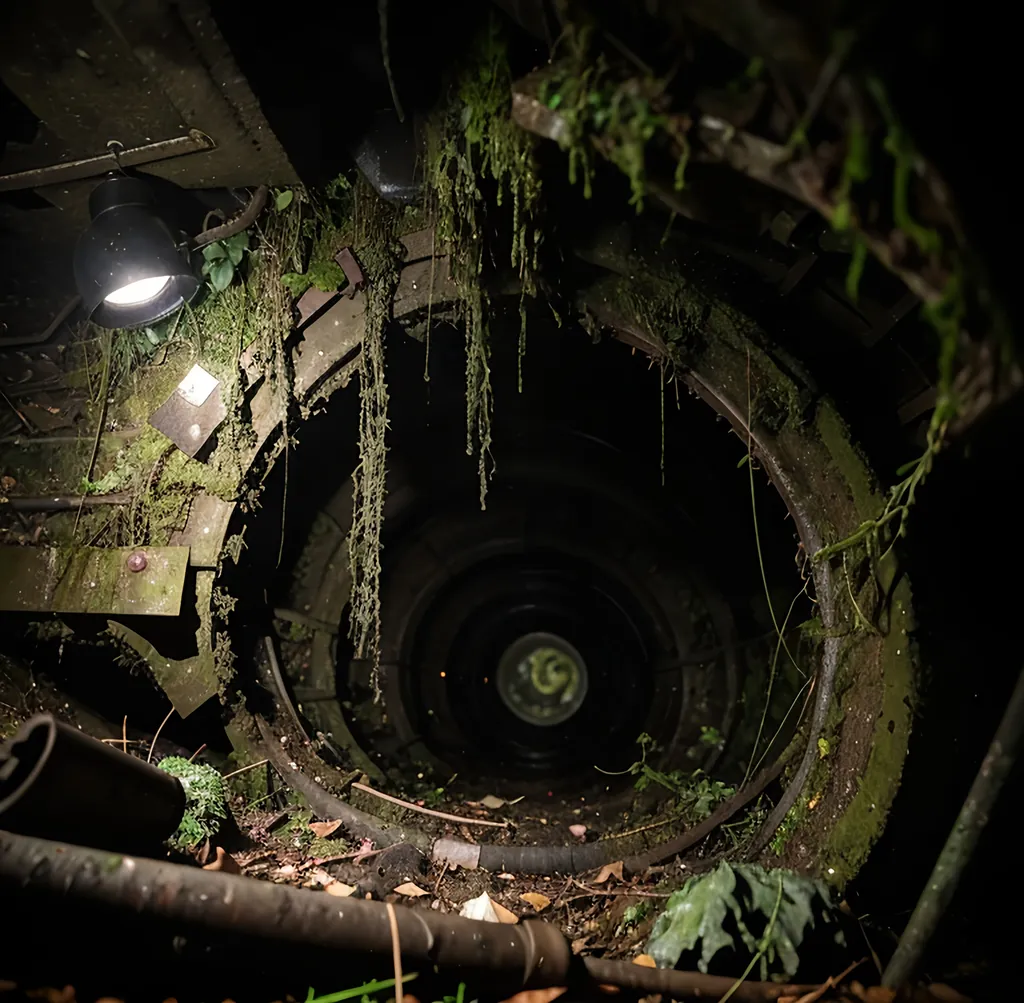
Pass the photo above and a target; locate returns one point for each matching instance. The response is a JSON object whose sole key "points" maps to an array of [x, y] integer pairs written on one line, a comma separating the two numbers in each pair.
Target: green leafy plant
{"points": [[222, 258], [711, 737], [695, 795], [205, 792], [327, 276], [363, 992], [633, 917], [618, 118], [766, 915]]}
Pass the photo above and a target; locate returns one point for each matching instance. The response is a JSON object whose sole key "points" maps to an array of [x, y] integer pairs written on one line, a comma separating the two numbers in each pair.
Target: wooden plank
{"points": [[93, 580]]}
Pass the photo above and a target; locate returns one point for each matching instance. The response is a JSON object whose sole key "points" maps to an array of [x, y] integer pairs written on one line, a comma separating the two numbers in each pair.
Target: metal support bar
{"points": [[57, 782], [193, 141]]}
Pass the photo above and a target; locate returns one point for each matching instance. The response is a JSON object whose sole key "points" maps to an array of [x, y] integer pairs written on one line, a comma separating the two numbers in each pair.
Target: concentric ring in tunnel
{"points": [[542, 679]]}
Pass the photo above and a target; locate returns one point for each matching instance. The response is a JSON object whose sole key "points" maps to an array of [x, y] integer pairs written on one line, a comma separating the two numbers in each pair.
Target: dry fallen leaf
{"points": [[579, 830], [504, 915], [579, 943], [224, 862], [480, 908], [609, 871], [411, 890], [318, 876], [339, 889], [645, 961], [324, 829], [492, 802], [537, 995], [538, 901]]}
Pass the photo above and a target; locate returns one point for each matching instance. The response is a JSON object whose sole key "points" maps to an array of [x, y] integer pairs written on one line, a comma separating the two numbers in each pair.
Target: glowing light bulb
{"points": [[138, 292]]}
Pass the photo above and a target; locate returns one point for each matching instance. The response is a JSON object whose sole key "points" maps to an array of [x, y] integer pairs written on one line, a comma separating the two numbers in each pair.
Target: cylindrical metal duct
{"points": [[57, 783]]}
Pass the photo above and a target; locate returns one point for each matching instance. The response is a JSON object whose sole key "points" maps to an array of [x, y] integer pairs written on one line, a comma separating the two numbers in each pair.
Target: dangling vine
{"points": [[473, 141], [369, 480]]}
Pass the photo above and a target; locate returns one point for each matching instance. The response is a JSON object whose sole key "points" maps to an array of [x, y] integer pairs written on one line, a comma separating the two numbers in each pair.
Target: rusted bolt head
{"points": [[137, 561]]}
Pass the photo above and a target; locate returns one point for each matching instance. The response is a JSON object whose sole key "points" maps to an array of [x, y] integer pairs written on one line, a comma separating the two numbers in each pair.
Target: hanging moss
{"points": [[380, 265], [620, 118], [473, 145]]}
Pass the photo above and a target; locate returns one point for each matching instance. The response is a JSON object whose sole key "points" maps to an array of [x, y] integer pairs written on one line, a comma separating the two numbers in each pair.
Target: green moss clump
{"points": [[205, 793]]}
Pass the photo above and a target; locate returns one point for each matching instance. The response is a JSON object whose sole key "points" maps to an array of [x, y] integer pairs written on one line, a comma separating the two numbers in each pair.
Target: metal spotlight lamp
{"points": [[132, 265]]}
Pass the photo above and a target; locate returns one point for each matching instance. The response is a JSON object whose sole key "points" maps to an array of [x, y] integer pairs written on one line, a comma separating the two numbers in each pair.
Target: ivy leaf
{"points": [[695, 912], [221, 273], [283, 199], [236, 246]]}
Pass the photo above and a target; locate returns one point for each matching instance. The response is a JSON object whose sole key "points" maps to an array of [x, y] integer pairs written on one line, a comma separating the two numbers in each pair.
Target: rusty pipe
{"points": [[532, 954], [57, 783], [529, 955]]}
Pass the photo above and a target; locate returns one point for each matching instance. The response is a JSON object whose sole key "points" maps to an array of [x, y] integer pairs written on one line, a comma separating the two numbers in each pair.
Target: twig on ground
{"points": [[440, 878], [361, 854], [830, 983], [595, 892], [396, 952], [124, 734], [196, 753], [152, 745], [251, 766], [641, 828], [429, 811]]}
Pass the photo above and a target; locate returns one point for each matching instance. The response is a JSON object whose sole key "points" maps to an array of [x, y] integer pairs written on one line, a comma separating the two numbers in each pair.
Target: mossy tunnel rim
{"points": [[829, 489]]}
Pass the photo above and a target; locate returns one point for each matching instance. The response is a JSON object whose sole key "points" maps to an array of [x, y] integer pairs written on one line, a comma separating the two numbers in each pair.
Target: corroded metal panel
{"points": [[121, 581]]}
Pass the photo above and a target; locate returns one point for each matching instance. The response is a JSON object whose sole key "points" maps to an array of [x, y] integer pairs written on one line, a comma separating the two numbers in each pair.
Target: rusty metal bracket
{"points": [[193, 141], [116, 580], [192, 413]]}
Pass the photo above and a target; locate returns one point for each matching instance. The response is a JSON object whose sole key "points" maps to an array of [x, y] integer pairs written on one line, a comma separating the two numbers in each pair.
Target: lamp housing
{"points": [[132, 264]]}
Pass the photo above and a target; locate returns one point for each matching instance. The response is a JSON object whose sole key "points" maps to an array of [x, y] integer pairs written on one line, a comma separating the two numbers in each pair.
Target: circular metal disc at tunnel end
{"points": [[542, 679]]}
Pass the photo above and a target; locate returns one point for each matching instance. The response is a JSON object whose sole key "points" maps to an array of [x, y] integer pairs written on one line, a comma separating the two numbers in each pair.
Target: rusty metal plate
{"points": [[189, 425], [93, 579], [188, 682]]}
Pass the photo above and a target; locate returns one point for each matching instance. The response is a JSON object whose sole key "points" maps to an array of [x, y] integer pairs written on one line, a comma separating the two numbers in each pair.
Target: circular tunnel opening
{"points": [[611, 603]]}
